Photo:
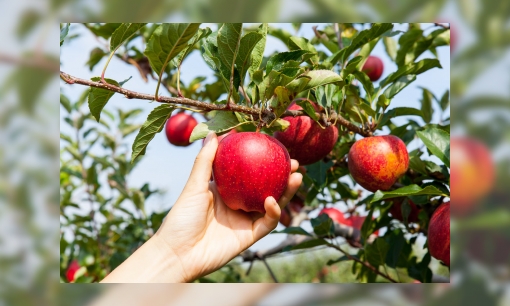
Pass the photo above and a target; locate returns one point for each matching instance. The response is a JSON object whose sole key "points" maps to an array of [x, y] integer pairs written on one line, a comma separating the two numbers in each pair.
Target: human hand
{"points": [[201, 234]]}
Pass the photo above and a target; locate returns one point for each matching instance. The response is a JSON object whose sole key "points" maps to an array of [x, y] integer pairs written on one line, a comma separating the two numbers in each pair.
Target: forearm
{"points": [[153, 262]]}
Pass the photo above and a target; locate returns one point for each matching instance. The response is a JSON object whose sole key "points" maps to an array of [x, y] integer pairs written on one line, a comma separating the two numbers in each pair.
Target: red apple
{"points": [[439, 233], [306, 141], [472, 173], [377, 162], [178, 129], [295, 205], [396, 211], [248, 168], [373, 68], [71, 270], [335, 215]]}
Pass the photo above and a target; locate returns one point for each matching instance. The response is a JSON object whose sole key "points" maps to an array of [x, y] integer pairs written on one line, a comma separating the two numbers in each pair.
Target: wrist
{"points": [[171, 266], [153, 262]]}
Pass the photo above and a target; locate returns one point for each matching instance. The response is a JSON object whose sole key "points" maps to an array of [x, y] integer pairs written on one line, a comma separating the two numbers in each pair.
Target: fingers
{"points": [[269, 221], [292, 187], [202, 169], [294, 165]]}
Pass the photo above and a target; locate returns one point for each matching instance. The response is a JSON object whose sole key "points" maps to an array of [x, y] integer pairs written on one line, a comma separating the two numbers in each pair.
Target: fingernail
{"points": [[208, 138]]}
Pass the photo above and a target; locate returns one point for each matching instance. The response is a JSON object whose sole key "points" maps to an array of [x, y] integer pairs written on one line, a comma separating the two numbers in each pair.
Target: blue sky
{"points": [[167, 167]]}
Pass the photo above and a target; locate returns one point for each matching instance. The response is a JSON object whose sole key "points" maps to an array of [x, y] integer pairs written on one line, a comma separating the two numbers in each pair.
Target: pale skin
{"points": [[200, 233]]}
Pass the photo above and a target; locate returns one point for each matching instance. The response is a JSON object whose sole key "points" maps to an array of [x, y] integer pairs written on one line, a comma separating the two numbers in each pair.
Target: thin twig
{"points": [[366, 264], [270, 271]]}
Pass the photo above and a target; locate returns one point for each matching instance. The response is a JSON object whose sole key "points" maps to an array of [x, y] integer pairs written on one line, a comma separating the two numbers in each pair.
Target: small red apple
{"points": [[439, 233], [396, 211], [357, 222], [377, 162], [335, 215], [472, 173], [306, 141], [178, 129], [373, 68], [295, 205], [71, 270], [248, 168]]}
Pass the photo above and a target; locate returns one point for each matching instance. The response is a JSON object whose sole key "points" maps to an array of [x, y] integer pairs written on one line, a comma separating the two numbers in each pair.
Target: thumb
{"points": [[202, 168]]}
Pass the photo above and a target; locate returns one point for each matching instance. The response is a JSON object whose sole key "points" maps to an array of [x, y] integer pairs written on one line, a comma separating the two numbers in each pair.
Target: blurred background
{"points": [[480, 101]]}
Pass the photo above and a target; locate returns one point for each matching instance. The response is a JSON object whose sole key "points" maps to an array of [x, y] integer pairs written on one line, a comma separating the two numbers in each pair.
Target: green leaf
{"points": [[243, 60], [294, 230], [138, 199], [168, 40], [258, 51], [362, 38], [325, 94], [154, 124], [413, 68], [229, 39], [366, 82], [406, 42], [221, 123], [377, 251], [104, 30], [65, 103], [340, 259], [63, 32], [398, 85], [399, 111], [438, 143], [313, 79], [123, 33], [280, 34], [300, 43], [308, 109], [287, 59], [390, 45], [399, 250], [445, 100], [280, 101], [318, 173], [66, 138], [426, 105], [201, 33], [95, 56], [323, 225], [98, 97], [411, 190]]}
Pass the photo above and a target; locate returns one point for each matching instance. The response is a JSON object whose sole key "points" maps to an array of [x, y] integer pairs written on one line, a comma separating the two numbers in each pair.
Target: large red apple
{"points": [[335, 215], [178, 129], [396, 211], [248, 168], [71, 270], [373, 68], [295, 205], [377, 162], [439, 233], [471, 175], [306, 141]]}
